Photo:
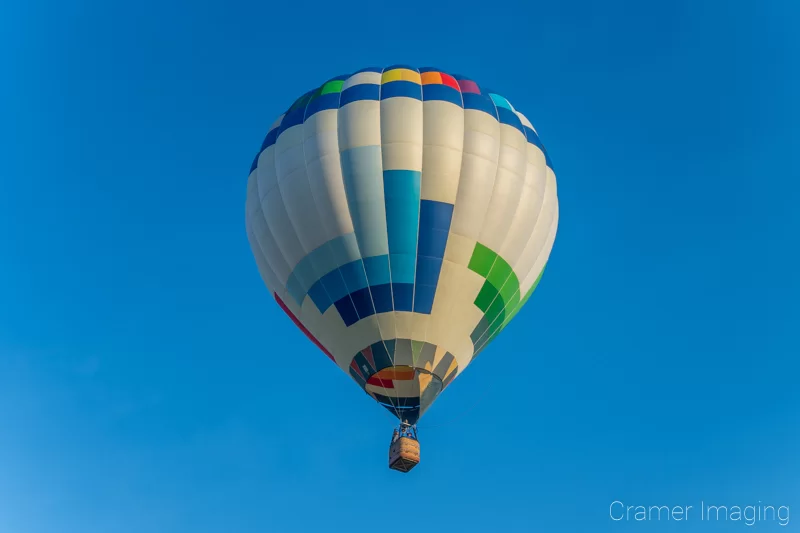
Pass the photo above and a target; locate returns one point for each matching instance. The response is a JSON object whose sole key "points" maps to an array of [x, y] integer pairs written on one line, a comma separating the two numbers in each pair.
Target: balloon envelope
{"points": [[402, 217]]}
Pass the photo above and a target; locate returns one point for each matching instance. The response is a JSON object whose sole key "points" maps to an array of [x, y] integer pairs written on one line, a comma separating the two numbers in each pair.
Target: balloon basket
{"points": [[404, 450]]}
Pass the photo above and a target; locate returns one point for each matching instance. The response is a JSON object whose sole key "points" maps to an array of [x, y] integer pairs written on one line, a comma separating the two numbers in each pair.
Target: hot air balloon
{"points": [[401, 217]]}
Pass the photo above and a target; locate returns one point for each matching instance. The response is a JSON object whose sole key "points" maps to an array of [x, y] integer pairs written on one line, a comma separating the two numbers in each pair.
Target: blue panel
{"points": [[381, 355], [358, 379], [403, 266], [428, 269], [292, 118], [370, 69], [382, 297], [435, 215], [320, 297], [423, 70], [270, 139], [443, 93], [347, 311], [401, 192], [507, 116], [394, 89], [423, 298], [432, 242], [343, 77], [364, 365], [321, 103], [403, 294], [362, 299], [533, 138], [377, 268], [334, 285], [363, 91], [354, 276], [479, 102], [255, 163]]}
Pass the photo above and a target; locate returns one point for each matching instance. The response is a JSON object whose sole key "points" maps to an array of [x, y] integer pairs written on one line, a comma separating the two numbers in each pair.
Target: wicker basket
{"points": [[404, 454]]}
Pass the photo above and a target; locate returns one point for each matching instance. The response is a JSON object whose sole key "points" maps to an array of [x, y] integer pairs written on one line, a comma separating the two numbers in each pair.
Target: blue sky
{"points": [[138, 382]]}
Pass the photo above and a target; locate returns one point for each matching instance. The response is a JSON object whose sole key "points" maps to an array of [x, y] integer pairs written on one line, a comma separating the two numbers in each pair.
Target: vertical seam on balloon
{"points": [[326, 242], [361, 255], [283, 289], [449, 231]]}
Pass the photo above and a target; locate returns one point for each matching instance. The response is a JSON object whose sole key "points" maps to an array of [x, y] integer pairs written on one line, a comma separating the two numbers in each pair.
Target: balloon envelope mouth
{"points": [[405, 391]]}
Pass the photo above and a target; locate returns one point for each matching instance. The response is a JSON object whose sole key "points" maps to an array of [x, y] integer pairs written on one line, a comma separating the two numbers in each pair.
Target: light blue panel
{"points": [[377, 269], [403, 267], [499, 101], [338, 251], [345, 249], [354, 276], [402, 192], [363, 181]]}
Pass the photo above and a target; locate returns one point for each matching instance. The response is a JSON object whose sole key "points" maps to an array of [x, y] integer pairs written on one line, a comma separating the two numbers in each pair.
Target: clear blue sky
{"points": [[139, 390]]}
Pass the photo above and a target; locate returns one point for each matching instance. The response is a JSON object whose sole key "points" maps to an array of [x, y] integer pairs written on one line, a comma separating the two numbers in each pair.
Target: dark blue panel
{"points": [[347, 311], [292, 118], [369, 69], [358, 379], [383, 359], [255, 163], [354, 276], [509, 117], [459, 77], [441, 92], [479, 102], [403, 296], [394, 89], [382, 297], [423, 70], [428, 269], [435, 215], [321, 103], [400, 66], [364, 91], [423, 298], [319, 296], [343, 77], [390, 346], [270, 139], [432, 242], [334, 285], [362, 299], [533, 138], [364, 365]]}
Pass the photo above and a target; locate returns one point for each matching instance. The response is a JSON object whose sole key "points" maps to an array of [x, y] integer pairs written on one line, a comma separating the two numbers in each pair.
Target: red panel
{"points": [[385, 383], [354, 366], [450, 81], [368, 354], [302, 327]]}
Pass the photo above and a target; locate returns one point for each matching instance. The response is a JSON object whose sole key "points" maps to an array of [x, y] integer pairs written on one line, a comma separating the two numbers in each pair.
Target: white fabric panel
{"points": [[529, 209], [325, 173], [478, 170], [444, 145], [359, 124], [401, 134], [507, 188], [360, 78]]}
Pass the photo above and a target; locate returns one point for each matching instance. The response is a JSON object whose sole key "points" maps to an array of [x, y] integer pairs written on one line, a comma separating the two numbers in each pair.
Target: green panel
{"points": [[482, 260], [332, 87], [499, 273], [486, 296], [416, 348], [510, 290]]}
